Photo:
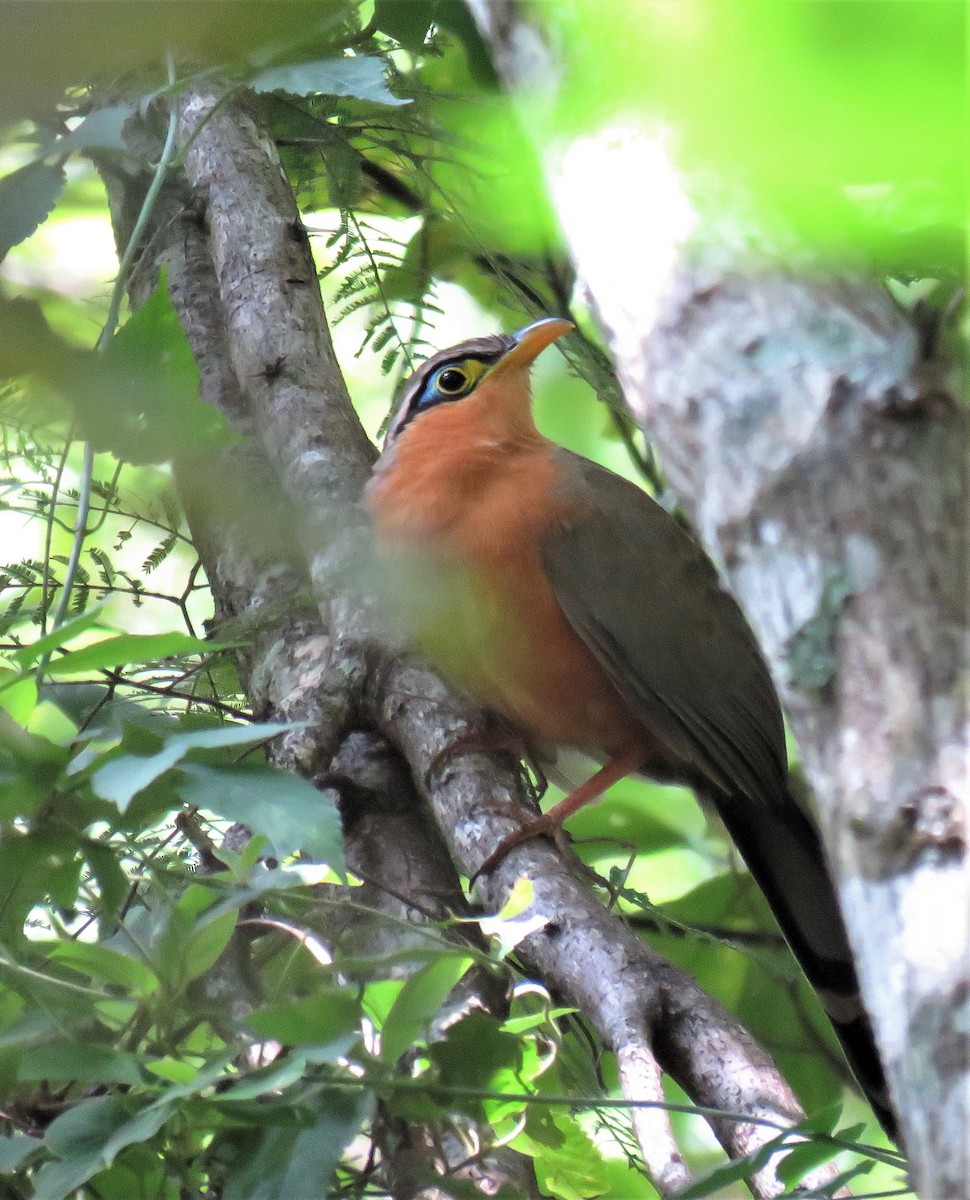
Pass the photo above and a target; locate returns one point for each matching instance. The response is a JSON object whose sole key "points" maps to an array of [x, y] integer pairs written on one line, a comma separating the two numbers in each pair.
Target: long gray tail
{"points": [[783, 852]]}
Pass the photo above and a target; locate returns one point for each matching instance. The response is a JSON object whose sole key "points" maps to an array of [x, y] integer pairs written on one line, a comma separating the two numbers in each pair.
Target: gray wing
{"points": [[648, 602]]}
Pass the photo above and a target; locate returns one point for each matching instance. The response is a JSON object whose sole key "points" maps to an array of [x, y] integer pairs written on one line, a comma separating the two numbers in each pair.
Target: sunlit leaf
{"points": [[25, 655], [107, 965], [361, 76]]}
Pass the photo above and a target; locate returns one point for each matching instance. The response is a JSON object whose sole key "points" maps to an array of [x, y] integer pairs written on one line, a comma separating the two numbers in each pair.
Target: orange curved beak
{"points": [[530, 342]]}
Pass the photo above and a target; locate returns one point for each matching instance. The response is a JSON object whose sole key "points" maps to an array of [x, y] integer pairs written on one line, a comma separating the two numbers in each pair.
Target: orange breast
{"points": [[460, 522]]}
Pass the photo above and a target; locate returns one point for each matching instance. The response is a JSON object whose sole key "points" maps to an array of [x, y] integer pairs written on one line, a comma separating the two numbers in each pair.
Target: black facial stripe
{"points": [[411, 403]]}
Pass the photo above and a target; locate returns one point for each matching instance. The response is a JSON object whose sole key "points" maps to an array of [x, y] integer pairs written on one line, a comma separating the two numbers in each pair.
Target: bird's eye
{"points": [[451, 381]]}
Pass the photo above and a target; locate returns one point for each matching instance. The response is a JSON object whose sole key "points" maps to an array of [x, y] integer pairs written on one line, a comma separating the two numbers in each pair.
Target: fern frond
{"points": [[160, 553]]}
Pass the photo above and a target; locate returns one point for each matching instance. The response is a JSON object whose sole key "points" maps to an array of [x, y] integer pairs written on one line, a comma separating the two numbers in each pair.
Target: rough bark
{"points": [[823, 462], [644, 1009], [844, 535]]}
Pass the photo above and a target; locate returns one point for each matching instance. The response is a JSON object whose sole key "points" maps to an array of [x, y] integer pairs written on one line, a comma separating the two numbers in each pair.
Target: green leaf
{"points": [[730, 1172], [207, 942], [477, 1053], [362, 77], [19, 699], [129, 648], [194, 936], [85, 1061], [27, 198], [109, 966], [14, 1148], [78, 1137], [32, 867], [113, 883], [140, 399], [804, 1158], [289, 1069], [290, 1161], [26, 655], [286, 808], [313, 1021], [121, 778], [418, 1002], [568, 1163], [407, 21]]}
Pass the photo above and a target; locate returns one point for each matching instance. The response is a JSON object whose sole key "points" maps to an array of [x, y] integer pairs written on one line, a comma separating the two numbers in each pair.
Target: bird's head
{"points": [[495, 370]]}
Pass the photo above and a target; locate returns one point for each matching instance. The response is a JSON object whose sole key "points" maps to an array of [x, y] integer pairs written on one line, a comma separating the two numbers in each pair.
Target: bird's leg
{"points": [[550, 823]]}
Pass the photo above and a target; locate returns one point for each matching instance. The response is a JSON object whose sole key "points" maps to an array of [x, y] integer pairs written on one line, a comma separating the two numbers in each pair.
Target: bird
{"points": [[566, 600]]}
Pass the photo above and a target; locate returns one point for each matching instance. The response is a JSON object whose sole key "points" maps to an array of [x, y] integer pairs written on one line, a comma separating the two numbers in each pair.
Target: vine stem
{"points": [[104, 338]]}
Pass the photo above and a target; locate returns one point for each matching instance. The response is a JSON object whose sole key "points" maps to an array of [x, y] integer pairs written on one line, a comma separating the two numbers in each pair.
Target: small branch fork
{"points": [[247, 296]]}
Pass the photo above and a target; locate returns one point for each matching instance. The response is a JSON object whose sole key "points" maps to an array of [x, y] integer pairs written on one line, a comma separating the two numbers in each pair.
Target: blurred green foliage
{"points": [[126, 1032], [847, 118]]}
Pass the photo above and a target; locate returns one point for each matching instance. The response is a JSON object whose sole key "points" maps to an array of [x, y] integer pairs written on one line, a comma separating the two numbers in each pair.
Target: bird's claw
{"points": [[541, 826]]}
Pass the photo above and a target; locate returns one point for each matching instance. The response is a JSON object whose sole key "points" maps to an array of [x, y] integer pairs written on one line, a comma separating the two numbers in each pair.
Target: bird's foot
{"points": [[545, 826], [494, 736]]}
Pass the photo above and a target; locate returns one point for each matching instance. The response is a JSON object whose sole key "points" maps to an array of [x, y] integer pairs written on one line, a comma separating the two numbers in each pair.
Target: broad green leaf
{"points": [[109, 966], [128, 648], [477, 1053], [119, 779], [194, 936], [34, 1027], [362, 77], [288, 1069], [14, 1148], [29, 346], [407, 21], [34, 866], [89, 1062], [287, 809], [804, 1158], [292, 1161], [172, 1070], [313, 1021], [568, 1164], [27, 198], [419, 1001], [113, 883], [140, 399], [29, 769], [206, 942], [78, 1137]]}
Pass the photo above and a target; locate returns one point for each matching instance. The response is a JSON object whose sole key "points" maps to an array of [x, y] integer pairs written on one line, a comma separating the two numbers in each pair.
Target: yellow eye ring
{"points": [[451, 381]]}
